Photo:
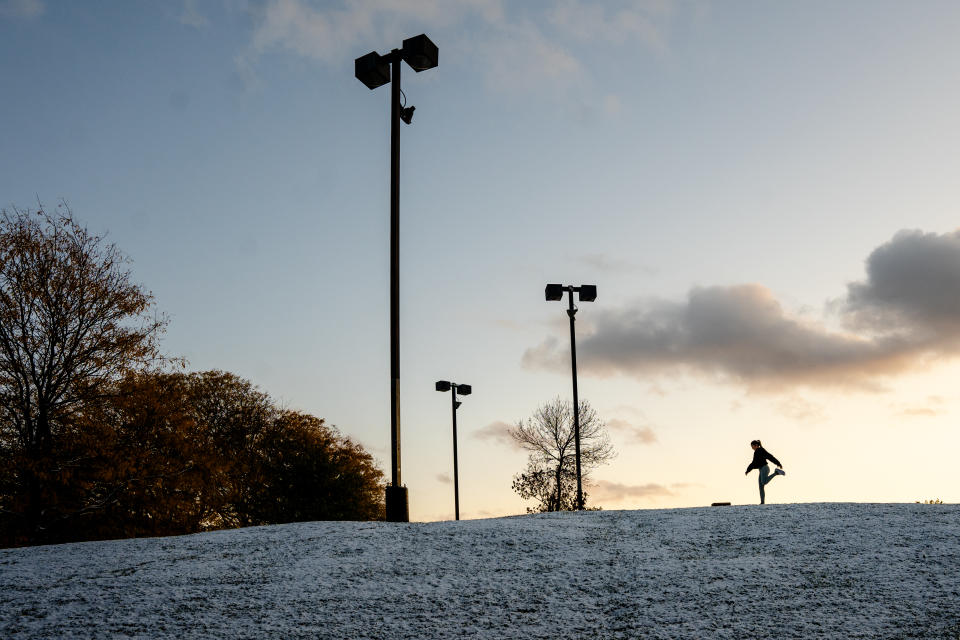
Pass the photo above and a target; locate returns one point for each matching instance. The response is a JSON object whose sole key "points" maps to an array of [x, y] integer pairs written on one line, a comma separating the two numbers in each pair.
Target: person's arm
{"points": [[773, 459]]}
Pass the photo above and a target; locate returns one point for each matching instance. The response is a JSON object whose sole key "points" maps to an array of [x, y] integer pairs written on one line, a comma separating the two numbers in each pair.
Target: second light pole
{"points": [[588, 293], [463, 390]]}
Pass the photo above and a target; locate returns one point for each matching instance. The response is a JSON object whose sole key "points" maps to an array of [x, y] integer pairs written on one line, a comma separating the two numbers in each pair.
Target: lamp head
{"points": [[443, 385], [553, 292], [464, 389], [372, 70], [588, 292], [420, 53]]}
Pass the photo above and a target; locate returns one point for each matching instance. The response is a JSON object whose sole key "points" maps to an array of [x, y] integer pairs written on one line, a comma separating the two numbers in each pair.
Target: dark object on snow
{"points": [[398, 504], [720, 504]]}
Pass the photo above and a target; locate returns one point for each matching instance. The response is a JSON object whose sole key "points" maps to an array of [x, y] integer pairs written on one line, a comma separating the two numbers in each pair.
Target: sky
{"points": [[764, 194]]}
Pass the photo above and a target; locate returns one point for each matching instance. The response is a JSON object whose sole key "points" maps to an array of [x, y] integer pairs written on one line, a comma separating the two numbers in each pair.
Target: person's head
{"points": [[755, 444]]}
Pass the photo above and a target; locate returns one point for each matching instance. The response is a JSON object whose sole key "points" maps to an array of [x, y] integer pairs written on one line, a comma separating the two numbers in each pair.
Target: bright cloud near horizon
{"points": [[764, 194]]}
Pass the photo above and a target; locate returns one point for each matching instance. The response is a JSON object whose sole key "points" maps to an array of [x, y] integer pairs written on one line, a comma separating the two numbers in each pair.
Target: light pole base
{"points": [[398, 508]]}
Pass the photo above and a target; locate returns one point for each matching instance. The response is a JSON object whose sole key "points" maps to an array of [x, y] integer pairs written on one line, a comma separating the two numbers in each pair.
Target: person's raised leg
{"points": [[769, 476]]}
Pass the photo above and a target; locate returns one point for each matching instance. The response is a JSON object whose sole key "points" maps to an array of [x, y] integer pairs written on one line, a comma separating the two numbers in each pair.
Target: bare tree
{"points": [[71, 324], [550, 477]]}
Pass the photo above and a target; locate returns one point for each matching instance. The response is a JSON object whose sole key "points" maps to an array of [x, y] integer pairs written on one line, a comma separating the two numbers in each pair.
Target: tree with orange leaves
{"points": [[72, 323]]}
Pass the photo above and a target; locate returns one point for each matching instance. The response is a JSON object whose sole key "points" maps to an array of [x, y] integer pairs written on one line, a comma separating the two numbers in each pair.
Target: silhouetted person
{"points": [[760, 457]]}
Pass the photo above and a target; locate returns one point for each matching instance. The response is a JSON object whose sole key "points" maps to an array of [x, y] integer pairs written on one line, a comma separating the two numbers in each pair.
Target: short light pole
{"points": [[588, 293], [374, 70], [463, 390]]}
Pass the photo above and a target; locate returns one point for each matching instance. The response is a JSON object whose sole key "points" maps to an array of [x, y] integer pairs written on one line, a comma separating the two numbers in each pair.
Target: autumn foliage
{"points": [[100, 437]]}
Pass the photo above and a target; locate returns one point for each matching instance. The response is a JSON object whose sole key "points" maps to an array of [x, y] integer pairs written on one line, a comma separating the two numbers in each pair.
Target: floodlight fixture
{"points": [[553, 292], [443, 385], [464, 389], [372, 70], [420, 53], [588, 292]]}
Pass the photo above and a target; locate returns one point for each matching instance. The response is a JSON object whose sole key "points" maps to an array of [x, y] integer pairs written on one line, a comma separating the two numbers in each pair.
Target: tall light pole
{"points": [[374, 70], [588, 293], [463, 390]]}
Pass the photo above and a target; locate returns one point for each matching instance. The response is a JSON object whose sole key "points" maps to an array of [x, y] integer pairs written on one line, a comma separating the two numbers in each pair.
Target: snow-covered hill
{"points": [[778, 571]]}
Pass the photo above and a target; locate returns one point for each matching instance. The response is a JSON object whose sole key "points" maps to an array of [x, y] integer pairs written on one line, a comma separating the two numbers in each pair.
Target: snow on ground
{"points": [[778, 571]]}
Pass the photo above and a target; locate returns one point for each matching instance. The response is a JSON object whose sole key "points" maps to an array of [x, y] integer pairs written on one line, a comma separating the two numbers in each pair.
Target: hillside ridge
{"points": [[826, 570]]}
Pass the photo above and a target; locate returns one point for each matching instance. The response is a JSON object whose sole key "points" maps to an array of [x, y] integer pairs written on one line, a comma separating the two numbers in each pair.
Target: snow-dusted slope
{"points": [[779, 571]]}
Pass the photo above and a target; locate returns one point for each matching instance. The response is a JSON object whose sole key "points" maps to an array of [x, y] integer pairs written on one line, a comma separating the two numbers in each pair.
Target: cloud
{"points": [[324, 31], [297, 27], [22, 9], [641, 435], [800, 409], [912, 284], [921, 412], [605, 263], [607, 22], [739, 333], [905, 315], [527, 50], [612, 105], [605, 491], [932, 406], [520, 56], [498, 432], [191, 15]]}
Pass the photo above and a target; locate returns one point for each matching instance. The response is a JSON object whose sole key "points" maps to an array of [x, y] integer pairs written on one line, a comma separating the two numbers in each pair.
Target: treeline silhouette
{"points": [[101, 436]]}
